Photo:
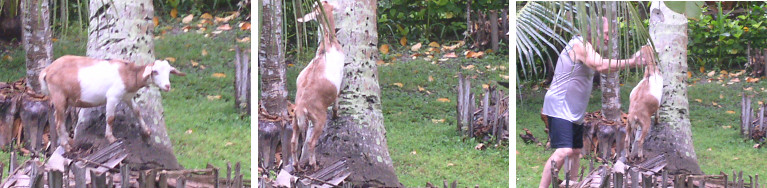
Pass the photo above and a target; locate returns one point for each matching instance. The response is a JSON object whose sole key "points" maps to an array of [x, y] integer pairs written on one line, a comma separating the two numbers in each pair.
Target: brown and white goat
{"points": [[318, 85], [87, 82], [645, 100]]}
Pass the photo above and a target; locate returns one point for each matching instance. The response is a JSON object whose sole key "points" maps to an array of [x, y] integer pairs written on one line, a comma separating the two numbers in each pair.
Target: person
{"points": [[568, 95]]}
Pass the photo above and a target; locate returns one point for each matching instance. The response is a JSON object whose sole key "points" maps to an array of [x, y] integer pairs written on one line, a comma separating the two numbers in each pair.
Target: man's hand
{"points": [[645, 55]]}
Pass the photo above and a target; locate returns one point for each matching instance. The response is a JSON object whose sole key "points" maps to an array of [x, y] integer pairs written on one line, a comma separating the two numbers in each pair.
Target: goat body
{"points": [[318, 86], [88, 82], [645, 100]]}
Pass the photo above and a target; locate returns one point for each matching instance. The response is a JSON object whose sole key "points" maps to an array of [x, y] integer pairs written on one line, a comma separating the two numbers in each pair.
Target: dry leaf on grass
{"points": [[187, 19], [443, 100], [434, 44], [171, 59], [224, 27], [219, 75], [384, 49], [416, 47], [173, 13], [398, 84], [403, 41]]}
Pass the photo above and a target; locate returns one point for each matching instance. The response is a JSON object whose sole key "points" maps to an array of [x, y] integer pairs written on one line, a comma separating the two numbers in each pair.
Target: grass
{"points": [[715, 132], [201, 130], [424, 151]]}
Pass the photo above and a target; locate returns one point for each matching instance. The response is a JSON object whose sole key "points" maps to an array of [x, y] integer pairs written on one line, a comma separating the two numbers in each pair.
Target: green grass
{"points": [[408, 113], [218, 132], [712, 128]]}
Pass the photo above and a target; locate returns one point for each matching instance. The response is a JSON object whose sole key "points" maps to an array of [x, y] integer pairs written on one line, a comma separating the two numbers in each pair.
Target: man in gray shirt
{"points": [[568, 96]]}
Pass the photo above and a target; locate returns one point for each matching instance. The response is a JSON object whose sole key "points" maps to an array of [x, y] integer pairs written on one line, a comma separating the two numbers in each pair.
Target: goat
{"points": [[88, 82], [318, 85], [645, 99]]}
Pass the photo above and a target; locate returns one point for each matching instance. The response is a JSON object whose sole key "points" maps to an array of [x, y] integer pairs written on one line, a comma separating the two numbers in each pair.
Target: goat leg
{"points": [[313, 137], [111, 105], [134, 107], [298, 123], [640, 143], [60, 116]]}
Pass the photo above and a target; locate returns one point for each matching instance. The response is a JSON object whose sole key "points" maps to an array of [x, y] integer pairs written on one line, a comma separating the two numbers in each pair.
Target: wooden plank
{"points": [[554, 175], [459, 109], [618, 180], [79, 172], [485, 108], [151, 179], [125, 175], [228, 174], [163, 181], [663, 179], [180, 182]]}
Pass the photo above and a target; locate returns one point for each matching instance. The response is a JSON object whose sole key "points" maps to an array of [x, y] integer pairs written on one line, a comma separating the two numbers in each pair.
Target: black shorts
{"points": [[565, 134]]}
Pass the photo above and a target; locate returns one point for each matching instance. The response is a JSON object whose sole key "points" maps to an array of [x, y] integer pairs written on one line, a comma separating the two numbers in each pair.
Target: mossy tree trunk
{"points": [[672, 136], [358, 135], [124, 30], [36, 31]]}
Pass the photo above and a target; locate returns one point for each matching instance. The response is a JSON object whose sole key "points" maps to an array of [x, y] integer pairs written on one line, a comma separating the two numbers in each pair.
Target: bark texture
{"points": [[358, 135], [672, 136], [123, 30], [271, 60], [36, 31], [610, 81]]}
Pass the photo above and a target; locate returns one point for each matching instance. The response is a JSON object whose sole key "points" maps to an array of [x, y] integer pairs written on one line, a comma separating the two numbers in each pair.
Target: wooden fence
{"points": [[488, 122]]}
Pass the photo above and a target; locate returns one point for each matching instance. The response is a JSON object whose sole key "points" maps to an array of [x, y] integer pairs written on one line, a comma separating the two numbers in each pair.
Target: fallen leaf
{"points": [[245, 26], [189, 131], [397, 84], [156, 21], [735, 158], [187, 19], [702, 69], [535, 88], [709, 149], [730, 112], [434, 44], [403, 41], [437, 120], [689, 74], [416, 47], [380, 62], [420, 88], [214, 97], [505, 77], [450, 164], [442, 60], [535, 167], [711, 74], [171, 59], [453, 47], [443, 100], [219, 75], [726, 127], [699, 100], [469, 67], [194, 64], [204, 52], [450, 55], [54, 39], [413, 152], [760, 103], [7, 58], [479, 146], [244, 40], [721, 96], [472, 54], [384, 49], [228, 144], [714, 103], [173, 13], [206, 16], [431, 79], [485, 86], [224, 27], [752, 80]]}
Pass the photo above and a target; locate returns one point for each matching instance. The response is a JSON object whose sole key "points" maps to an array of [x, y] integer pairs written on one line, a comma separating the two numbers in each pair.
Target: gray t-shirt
{"points": [[570, 90]]}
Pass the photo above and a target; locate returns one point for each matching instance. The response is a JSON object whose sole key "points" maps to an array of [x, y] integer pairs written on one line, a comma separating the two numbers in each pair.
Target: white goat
{"points": [[318, 85], [645, 100], [87, 82]]}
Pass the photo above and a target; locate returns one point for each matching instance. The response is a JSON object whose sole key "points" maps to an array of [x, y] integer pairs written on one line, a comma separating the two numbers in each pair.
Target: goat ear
{"points": [[147, 71], [308, 17], [176, 72]]}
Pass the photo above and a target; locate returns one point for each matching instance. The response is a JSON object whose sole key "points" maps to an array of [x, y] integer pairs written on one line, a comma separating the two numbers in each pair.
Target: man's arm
{"points": [[585, 53]]}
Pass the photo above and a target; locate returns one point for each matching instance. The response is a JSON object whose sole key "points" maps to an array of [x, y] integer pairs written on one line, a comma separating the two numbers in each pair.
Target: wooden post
{"points": [[740, 179], [618, 180], [663, 179], [485, 108], [79, 173], [647, 181], [554, 174], [55, 179], [634, 178], [743, 114], [180, 182], [459, 101], [98, 180], [605, 179], [703, 182], [472, 107], [498, 126], [756, 179], [241, 81], [125, 175], [163, 182], [36, 177], [228, 174], [466, 104]]}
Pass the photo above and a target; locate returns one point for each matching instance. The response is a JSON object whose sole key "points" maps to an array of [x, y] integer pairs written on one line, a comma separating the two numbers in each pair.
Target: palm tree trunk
{"points": [[36, 31], [124, 30], [611, 98], [672, 136], [358, 134], [273, 83]]}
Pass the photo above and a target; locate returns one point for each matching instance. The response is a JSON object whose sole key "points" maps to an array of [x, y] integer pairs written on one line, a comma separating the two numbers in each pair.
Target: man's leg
{"points": [[575, 159], [558, 156]]}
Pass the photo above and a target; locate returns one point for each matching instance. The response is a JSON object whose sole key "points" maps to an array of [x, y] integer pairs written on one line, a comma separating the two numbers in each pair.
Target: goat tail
{"points": [[43, 84]]}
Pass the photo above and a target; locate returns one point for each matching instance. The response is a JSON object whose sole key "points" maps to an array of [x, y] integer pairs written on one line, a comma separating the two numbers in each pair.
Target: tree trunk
{"points": [[123, 30], [494, 29], [36, 29], [611, 98], [672, 136], [358, 134], [274, 90]]}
